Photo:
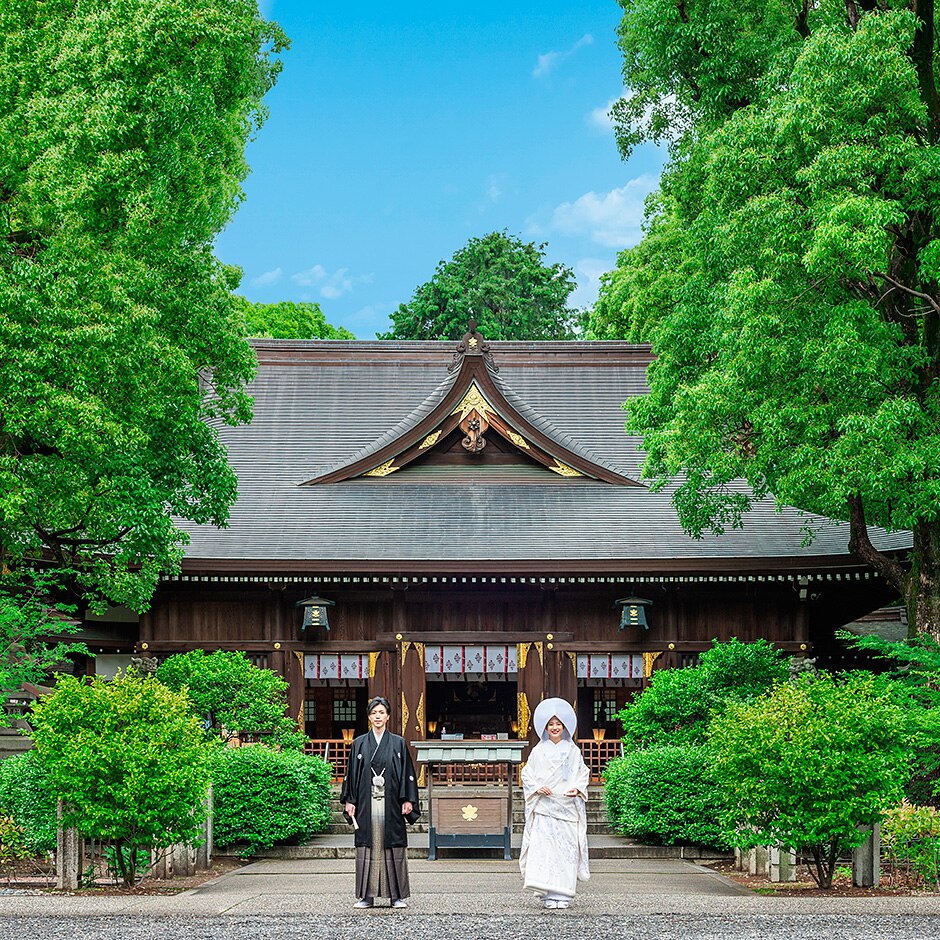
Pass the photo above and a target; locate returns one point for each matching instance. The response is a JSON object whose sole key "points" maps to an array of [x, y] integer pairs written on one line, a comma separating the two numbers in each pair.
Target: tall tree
{"points": [[123, 125], [795, 309], [501, 282], [288, 320]]}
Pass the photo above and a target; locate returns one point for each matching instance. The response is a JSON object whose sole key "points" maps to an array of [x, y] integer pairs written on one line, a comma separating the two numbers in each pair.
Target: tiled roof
{"points": [[321, 404]]}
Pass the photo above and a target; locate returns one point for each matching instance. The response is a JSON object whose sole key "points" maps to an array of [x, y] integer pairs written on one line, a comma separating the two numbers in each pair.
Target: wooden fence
{"points": [[597, 755]]}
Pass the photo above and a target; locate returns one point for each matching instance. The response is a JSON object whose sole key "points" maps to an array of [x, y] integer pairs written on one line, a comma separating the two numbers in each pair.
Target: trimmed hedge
{"points": [[665, 795], [262, 796], [26, 798]]}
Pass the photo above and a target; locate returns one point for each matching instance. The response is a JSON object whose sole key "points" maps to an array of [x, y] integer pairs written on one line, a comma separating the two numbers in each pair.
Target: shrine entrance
{"points": [[471, 691], [483, 708]]}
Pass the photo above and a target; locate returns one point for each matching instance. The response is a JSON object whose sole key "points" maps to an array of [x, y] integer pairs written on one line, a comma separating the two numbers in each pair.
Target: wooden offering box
{"points": [[470, 816]]}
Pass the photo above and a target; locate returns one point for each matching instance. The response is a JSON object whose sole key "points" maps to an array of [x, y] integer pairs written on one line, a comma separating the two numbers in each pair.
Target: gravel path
{"points": [[665, 899], [567, 926]]}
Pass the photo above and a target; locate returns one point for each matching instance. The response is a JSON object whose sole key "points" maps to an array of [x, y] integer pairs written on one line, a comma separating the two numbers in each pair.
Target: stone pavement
{"points": [[466, 887], [457, 899]]}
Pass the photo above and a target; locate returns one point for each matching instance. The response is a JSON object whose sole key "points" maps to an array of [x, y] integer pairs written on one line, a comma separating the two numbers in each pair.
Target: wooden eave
{"points": [[517, 567], [504, 418]]}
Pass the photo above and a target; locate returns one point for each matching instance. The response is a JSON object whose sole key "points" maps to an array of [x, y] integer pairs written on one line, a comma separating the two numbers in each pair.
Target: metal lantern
{"points": [[633, 613], [315, 612]]}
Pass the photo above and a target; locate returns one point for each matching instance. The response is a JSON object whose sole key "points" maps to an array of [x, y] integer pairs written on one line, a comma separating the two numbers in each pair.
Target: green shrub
{"points": [[667, 795], [128, 759], [13, 844], [910, 842], [677, 706], [263, 796], [27, 798], [810, 762]]}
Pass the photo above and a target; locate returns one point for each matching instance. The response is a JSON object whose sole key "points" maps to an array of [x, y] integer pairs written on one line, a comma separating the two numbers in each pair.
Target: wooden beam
{"points": [[465, 638]]}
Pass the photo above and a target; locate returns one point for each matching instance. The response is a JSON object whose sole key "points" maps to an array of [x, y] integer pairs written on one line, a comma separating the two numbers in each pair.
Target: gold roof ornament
{"points": [[562, 469], [384, 470], [473, 401]]}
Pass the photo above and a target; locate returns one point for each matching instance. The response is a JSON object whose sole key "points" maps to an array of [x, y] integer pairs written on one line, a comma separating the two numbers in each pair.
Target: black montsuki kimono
{"points": [[401, 786]]}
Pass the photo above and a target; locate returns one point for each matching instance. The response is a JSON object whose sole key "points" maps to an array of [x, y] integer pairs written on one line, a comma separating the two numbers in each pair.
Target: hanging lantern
{"points": [[633, 613], [315, 612]]}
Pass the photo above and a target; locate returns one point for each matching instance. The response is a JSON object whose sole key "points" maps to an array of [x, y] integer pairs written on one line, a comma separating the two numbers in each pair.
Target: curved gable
{"points": [[475, 406]]}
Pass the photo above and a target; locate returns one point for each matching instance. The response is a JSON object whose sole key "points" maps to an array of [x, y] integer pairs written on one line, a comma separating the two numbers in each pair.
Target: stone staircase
{"points": [[337, 841], [12, 741]]}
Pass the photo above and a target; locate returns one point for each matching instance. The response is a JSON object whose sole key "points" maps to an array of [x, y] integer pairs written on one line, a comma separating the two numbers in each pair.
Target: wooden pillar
{"points": [[531, 691], [383, 676], [68, 857], [413, 718], [290, 664], [561, 676]]}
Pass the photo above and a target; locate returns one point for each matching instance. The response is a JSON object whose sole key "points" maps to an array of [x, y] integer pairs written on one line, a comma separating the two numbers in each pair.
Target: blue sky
{"points": [[399, 131]]}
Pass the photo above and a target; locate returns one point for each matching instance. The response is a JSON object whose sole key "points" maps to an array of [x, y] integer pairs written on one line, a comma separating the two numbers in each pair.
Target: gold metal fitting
{"points": [[144, 646], [397, 636], [551, 646], [277, 646], [549, 636], [672, 646]]}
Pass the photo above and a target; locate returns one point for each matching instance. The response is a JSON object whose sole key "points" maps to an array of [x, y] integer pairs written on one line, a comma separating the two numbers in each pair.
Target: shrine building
{"points": [[463, 528]]}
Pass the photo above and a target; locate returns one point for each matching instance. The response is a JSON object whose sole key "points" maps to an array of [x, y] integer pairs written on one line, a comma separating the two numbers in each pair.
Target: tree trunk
{"points": [[922, 596]]}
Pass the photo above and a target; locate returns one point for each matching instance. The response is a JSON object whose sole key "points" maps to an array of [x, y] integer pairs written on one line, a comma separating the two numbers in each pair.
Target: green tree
{"points": [[288, 320], [810, 762], [499, 281], [123, 125], [795, 313], [232, 696], [679, 703], [129, 760]]}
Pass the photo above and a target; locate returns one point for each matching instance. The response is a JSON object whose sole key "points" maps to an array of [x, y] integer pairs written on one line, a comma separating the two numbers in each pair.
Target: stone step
{"points": [[10, 746], [597, 815], [600, 846], [343, 828]]}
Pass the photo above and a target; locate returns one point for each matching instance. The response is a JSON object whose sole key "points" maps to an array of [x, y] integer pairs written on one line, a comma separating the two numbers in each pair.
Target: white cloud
{"points": [[611, 219], [588, 272], [600, 117], [268, 278], [330, 286], [548, 62], [493, 189], [339, 283], [369, 320], [309, 277]]}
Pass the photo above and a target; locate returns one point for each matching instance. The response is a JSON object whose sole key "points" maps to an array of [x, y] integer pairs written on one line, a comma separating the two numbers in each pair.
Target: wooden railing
{"points": [[597, 755], [458, 774], [335, 751]]}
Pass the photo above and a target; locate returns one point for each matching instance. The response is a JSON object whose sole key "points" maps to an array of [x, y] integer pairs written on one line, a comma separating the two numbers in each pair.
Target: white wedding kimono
{"points": [[554, 855]]}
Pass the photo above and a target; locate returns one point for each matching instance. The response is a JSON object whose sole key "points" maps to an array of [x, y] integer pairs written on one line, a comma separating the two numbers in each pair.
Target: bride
{"points": [[554, 855]]}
